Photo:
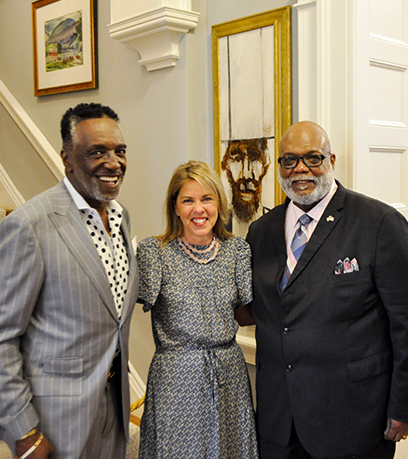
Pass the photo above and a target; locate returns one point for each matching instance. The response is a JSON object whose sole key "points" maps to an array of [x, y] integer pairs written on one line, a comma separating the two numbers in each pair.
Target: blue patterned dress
{"points": [[198, 402]]}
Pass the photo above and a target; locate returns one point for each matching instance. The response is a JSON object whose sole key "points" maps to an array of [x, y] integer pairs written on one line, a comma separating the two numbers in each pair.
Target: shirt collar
{"points": [[81, 204], [294, 212]]}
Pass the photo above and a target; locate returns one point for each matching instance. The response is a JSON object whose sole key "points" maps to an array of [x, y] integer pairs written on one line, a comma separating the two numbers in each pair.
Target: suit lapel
{"points": [[133, 274], [279, 241], [328, 221], [69, 224]]}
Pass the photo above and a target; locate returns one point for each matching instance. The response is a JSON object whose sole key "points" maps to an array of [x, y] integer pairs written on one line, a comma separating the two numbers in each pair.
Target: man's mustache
{"points": [[290, 180]]}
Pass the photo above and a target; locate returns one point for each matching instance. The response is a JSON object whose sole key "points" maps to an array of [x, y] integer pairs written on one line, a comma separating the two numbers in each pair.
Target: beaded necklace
{"points": [[189, 249]]}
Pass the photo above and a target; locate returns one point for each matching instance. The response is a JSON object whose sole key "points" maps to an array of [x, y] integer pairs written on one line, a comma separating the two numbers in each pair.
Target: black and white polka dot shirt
{"points": [[111, 249]]}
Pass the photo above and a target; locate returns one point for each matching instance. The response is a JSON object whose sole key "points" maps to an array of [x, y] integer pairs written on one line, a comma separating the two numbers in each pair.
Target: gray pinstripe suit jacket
{"points": [[58, 324]]}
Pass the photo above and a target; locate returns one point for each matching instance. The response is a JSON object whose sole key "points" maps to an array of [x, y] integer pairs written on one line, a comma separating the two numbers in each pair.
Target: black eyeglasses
{"points": [[290, 162]]}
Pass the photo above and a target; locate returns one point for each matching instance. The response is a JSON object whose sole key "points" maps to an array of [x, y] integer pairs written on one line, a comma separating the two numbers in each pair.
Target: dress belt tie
{"points": [[195, 347], [218, 372]]}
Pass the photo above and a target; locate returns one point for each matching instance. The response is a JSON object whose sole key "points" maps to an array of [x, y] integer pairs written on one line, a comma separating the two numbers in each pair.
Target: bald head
{"points": [[305, 135]]}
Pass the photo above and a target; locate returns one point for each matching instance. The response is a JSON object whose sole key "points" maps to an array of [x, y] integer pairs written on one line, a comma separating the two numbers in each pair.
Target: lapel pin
{"points": [[330, 218]]}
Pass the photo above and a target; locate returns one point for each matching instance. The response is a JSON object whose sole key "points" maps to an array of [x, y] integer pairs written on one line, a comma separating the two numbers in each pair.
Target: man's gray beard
{"points": [[323, 184], [92, 187]]}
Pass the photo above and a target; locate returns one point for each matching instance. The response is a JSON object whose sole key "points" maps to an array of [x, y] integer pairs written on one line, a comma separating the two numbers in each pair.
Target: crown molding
{"points": [[155, 34]]}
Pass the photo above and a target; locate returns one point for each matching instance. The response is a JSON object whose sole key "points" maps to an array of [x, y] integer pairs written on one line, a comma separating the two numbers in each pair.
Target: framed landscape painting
{"points": [[64, 34]]}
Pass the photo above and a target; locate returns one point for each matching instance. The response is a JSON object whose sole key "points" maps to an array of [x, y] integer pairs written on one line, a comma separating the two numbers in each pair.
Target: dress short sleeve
{"points": [[149, 262], [243, 272]]}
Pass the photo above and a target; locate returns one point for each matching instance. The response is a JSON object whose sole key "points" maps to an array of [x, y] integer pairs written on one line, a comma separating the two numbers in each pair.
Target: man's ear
{"points": [[333, 160], [66, 160]]}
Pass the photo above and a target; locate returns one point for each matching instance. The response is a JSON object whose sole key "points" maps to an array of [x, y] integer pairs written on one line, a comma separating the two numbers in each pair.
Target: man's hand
{"points": [[43, 451], [243, 316], [396, 430]]}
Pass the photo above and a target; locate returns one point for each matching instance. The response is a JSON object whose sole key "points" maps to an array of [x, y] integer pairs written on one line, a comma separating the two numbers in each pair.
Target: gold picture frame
{"points": [[64, 46], [252, 68]]}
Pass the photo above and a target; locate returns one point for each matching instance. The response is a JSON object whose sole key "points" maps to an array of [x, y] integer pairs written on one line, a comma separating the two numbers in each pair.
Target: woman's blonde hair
{"points": [[209, 180]]}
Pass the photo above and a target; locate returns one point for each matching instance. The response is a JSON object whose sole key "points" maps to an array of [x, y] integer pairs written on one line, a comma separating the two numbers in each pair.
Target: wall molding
{"points": [[31, 131], [387, 149], [387, 65], [137, 388], [383, 123], [10, 188], [155, 34], [388, 40], [248, 346]]}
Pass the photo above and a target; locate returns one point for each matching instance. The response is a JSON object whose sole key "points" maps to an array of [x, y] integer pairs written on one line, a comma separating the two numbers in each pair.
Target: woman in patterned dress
{"points": [[193, 279]]}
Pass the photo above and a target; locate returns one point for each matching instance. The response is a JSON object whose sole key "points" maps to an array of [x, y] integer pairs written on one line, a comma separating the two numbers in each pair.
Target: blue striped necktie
{"points": [[299, 242]]}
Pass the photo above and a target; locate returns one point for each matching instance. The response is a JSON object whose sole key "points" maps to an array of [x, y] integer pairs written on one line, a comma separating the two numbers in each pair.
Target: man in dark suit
{"points": [[69, 283], [332, 321]]}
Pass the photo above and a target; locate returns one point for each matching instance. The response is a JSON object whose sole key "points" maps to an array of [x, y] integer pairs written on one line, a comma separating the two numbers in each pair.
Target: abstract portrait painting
{"points": [[252, 109]]}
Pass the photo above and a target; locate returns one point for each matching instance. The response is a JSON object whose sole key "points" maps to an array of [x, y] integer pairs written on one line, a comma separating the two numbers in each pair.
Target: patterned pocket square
{"points": [[346, 266]]}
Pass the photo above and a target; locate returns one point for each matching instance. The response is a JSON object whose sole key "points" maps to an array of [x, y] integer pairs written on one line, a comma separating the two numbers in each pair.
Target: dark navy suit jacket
{"points": [[332, 350]]}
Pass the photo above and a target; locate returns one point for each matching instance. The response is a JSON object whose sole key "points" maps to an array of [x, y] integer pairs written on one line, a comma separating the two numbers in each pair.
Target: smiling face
{"points": [[95, 163], [306, 186], [198, 211]]}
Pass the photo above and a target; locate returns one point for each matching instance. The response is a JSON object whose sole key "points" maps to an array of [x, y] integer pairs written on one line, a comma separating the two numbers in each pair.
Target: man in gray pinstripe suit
{"points": [[68, 285]]}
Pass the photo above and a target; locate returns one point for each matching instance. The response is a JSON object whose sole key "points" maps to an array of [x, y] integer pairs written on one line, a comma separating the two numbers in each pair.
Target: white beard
{"points": [[323, 184]]}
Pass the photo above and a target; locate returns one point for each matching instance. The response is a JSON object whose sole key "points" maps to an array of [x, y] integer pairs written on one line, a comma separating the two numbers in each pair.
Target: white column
{"points": [[325, 76], [307, 60]]}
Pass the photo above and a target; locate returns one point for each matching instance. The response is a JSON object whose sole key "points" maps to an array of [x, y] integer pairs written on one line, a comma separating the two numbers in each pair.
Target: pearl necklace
{"points": [[189, 249]]}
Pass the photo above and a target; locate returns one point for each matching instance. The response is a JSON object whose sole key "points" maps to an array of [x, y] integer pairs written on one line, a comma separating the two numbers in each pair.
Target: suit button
{"points": [[289, 368], [286, 331]]}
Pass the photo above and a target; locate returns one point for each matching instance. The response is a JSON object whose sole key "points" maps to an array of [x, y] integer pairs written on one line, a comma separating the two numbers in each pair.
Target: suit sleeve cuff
{"points": [[26, 420]]}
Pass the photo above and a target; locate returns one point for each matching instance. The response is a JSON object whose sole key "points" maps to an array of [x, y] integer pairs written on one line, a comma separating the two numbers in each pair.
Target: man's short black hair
{"points": [[83, 112]]}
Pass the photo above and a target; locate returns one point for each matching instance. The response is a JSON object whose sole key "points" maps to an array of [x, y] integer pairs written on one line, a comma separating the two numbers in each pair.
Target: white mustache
{"points": [[299, 178]]}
